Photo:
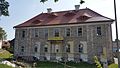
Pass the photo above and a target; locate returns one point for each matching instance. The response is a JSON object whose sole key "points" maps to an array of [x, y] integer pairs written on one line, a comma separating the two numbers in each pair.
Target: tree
{"points": [[4, 8], [81, 1], [3, 34], [97, 62]]}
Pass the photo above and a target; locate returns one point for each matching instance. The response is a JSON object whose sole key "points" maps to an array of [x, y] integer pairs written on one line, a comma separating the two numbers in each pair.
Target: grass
{"points": [[5, 54], [48, 64], [5, 66], [113, 66]]}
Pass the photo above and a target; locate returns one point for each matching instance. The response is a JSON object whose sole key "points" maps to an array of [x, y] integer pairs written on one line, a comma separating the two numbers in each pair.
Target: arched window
{"points": [[68, 48], [46, 48], [80, 48], [35, 49], [22, 48]]}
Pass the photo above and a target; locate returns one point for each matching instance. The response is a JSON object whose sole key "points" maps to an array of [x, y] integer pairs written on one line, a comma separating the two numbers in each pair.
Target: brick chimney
{"points": [[77, 7], [49, 10]]}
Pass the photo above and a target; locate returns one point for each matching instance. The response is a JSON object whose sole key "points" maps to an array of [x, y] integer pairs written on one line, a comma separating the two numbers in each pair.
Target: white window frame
{"points": [[58, 31], [78, 33], [66, 32]]}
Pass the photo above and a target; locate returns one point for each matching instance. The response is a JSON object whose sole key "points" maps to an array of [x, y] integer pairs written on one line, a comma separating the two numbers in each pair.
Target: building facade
{"points": [[74, 35], [115, 45]]}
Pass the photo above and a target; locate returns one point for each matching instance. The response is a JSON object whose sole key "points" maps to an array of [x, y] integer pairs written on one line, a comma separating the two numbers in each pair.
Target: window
{"points": [[56, 33], [68, 48], [79, 31], [36, 33], [67, 31], [46, 49], [98, 30], [46, 32], [57, 48], [23, 34], [35, 49], [80, 48], [22, 48]]}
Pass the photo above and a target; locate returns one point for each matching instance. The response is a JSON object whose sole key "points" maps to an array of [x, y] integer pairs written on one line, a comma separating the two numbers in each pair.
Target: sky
{"points": [[23, 10]]}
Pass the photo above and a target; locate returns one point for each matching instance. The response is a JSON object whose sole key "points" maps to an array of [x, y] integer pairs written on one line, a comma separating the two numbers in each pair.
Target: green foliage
{"points": [[5, 54], [81, 1], [97, 62], [3, 34], [113, 66], [4, 8]]}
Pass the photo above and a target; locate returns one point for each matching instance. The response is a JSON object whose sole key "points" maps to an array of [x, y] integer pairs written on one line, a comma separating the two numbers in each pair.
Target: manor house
{"points": [[72, 35]]}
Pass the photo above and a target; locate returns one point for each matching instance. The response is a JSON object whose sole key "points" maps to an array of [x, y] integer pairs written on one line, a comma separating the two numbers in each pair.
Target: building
{"points": [[4, 44], [115, 45], [73, 35]]}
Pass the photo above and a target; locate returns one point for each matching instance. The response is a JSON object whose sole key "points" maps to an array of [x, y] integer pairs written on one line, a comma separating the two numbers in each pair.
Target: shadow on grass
{"points": [[48, 64]]}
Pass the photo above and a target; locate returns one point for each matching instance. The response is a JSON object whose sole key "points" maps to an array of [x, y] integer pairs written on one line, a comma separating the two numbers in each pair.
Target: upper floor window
{"points": [[98, 30], [56, 32], [68, 48], [79, 32], [80, 48], [46, 32], [67, 31], [36, 49], [23, 34], [36, 33], [22, 48]]}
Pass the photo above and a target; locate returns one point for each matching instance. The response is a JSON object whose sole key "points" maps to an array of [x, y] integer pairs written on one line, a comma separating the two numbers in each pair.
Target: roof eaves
{"points": [[66, 23]]}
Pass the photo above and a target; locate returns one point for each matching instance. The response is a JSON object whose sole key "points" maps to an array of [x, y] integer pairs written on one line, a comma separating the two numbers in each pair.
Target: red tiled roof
{"points": [[65, 17]]}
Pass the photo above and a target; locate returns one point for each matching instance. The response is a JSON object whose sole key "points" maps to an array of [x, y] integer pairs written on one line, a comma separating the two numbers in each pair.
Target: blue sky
{"points": [[23, 10]]}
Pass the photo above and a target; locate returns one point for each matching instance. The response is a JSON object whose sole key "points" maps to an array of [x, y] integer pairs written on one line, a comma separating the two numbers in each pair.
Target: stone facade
{"points": [[115, 45], [32, 43]]}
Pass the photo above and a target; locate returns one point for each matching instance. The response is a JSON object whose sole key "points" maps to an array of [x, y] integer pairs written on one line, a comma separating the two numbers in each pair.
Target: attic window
{"points": [[36, 21], [83, 17], [70, 13], [52, 15]]}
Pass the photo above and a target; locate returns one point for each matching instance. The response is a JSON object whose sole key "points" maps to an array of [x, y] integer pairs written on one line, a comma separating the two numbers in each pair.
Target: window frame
{"points": [[36, 33], [81, 31], [23, 33], [35, 49], [45, 49], [46, 33], [67, 33], [99, 30], [67, 48], [56, 34], [80, 48], [22, 49]]}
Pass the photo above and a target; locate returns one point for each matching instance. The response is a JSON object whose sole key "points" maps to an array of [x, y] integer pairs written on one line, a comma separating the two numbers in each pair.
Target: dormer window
{"points": [[52, 15], [36, 21], [82, 18], [70, 13]]}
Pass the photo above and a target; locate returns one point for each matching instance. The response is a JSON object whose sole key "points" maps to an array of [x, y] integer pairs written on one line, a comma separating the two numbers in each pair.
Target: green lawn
{"points": [[59, 65], [113, 66], [48, 64], [5, 66]]}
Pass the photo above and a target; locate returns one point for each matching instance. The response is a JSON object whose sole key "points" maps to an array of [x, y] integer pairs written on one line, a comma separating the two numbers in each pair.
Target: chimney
{"points": [[77, 7], [49, 10]]}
